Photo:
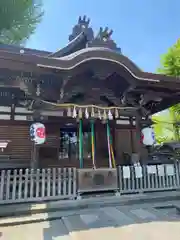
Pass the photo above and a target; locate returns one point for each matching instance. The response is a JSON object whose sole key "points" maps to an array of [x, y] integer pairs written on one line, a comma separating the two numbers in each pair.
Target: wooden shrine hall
{"points": [[92, 100]]}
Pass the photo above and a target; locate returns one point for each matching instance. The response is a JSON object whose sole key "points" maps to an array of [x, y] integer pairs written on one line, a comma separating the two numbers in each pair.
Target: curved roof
{"points": [[77, 58], [76, 44], [83, 52]]}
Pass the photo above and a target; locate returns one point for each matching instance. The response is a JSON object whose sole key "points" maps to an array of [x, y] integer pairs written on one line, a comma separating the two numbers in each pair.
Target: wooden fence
{"points": [[66, 183], [36, 185], [138, 179]]}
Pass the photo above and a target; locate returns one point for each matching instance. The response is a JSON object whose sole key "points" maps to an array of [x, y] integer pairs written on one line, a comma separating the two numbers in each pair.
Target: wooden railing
{"points": [[34, 185], [151, 178], [67, 183]]}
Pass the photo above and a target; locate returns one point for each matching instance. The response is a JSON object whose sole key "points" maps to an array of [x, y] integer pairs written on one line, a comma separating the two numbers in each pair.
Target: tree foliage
{"points": [[170, 61], [18, 19], [163, 127], [170, 66]]}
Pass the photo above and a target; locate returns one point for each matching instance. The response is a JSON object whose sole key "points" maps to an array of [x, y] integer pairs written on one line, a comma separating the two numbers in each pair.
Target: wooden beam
{"points": [[91, 88], [12, 111]]}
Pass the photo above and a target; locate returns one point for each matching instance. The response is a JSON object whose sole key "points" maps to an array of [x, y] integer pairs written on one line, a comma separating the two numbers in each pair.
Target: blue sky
{"points": [[144, 29]]}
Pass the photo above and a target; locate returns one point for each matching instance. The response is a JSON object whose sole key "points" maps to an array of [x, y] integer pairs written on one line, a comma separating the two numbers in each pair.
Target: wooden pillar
{"points": [[12, 111], [34, 156], [133, 145], [114, 136], [138, 135]]}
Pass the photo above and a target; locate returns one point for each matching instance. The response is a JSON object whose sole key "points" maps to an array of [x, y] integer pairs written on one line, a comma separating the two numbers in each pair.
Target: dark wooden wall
{"points": [[126, 141], [19, 149], [48, 152]]}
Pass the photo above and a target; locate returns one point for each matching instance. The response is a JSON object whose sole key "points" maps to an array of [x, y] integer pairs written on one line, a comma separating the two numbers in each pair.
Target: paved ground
{"points": [[136, 222]]}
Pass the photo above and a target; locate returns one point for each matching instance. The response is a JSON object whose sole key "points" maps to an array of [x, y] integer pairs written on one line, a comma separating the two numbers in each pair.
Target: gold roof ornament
{"points": [[92, 113], [69, 112], [99, 114], [110, 116], [104, 115], [120, 112], [80, 113], [86, 113], [103, 112], [74, 113], [116, 113]]}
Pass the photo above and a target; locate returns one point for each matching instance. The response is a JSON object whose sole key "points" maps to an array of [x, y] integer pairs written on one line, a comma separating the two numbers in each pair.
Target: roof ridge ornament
{"points": [[104, 34], [103, 39], [84, 22], [82, 36], [80, 27]]}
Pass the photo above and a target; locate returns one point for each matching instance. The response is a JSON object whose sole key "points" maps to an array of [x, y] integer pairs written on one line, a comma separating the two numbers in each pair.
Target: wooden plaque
{"points": [[96, 180]]}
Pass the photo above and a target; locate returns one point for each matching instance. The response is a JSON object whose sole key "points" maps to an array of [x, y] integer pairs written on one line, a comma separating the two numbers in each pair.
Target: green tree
{"points": [[18, 20], [163, 127], [170, 61], [170, 65]]}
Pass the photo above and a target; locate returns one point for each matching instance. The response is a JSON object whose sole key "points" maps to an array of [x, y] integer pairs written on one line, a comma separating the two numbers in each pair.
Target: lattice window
{"points": [[69, 144]]}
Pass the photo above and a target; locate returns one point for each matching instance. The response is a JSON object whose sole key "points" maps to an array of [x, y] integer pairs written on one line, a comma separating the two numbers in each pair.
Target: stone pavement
{"points": [[133, 222]]}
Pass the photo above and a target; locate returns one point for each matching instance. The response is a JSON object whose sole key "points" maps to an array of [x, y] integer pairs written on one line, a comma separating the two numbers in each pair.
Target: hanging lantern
{"points": [[148, 136], [69, 112], [74, 113], [116, 113], [92, 112], [38, 133], [110, 116], [80, 113], [86, 113]]}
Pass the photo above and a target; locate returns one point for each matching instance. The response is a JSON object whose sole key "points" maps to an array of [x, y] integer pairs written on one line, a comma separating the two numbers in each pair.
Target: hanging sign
{"points": [[38, 133], [148, 136], [151, 169], [170, 169], [138, 172], [126, 172]]}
